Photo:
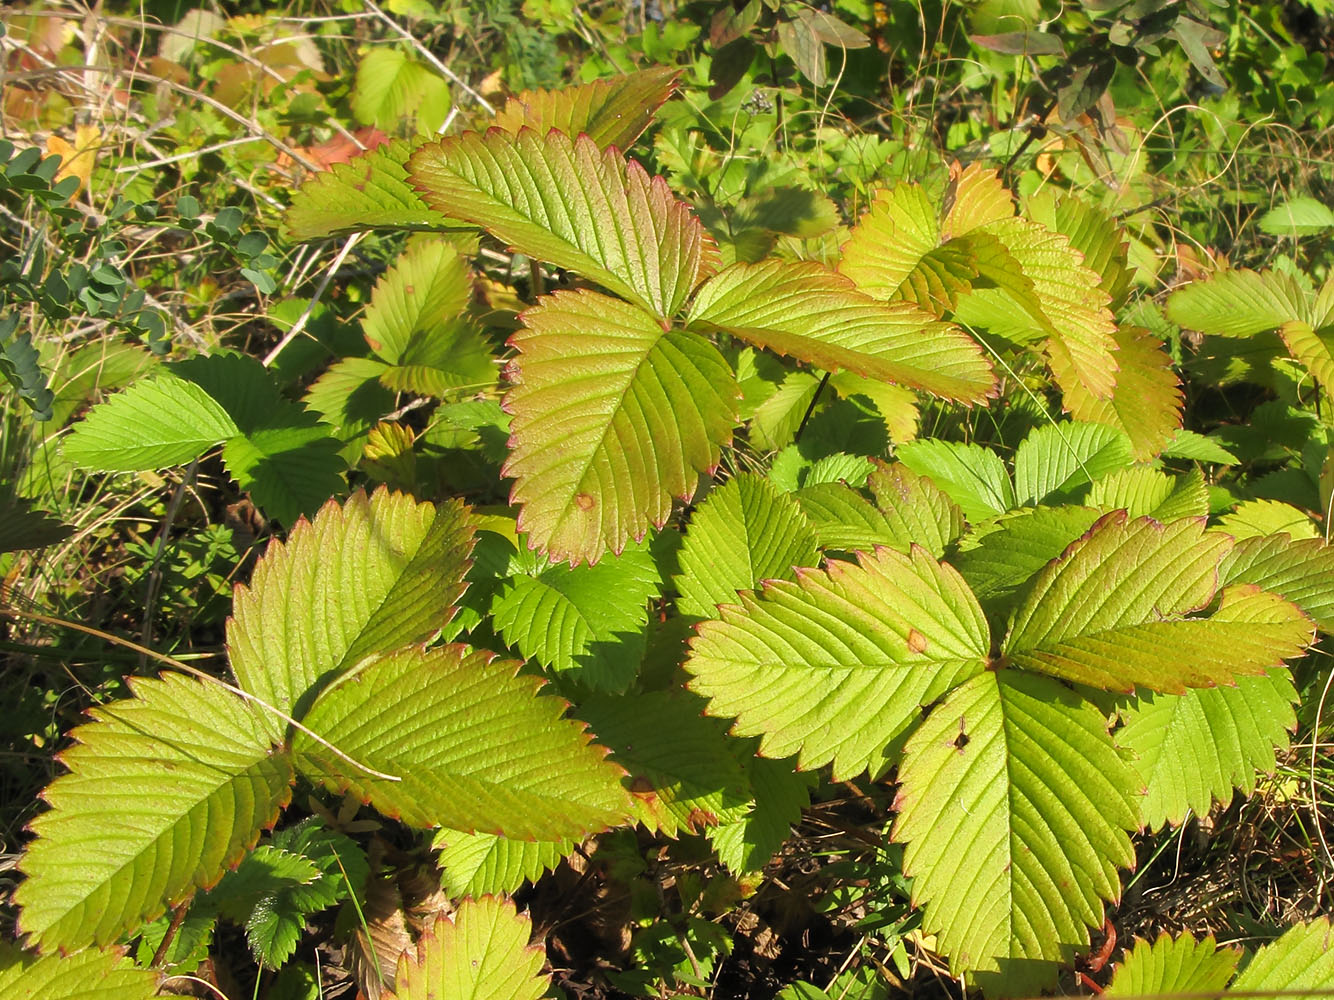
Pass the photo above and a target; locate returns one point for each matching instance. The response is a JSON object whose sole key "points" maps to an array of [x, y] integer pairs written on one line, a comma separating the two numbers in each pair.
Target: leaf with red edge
{"points": [[613, 417], [800, 309], [165, 791], [1125, 606], [612, 112], [565, 201]]}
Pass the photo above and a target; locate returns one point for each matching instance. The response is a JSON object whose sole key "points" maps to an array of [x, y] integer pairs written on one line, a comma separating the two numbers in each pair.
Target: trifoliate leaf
{"points": [[1122, 608], [374, 574], [970, 475], [481, 954], [876, 640], [263, 872], [682, 775], [1058, 461], [414, 321], [165, 791], [1014, 807], [1173, 965], [562, 200], [587, 623], [802, 310], [1193, 749], [613, 417], [89, 975], [745, 532], [612, 112], [473, 746], [482, 864]]}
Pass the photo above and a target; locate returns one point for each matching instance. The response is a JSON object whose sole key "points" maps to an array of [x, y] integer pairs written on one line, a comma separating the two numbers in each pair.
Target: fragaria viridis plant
{"points": [[1044, 652]]}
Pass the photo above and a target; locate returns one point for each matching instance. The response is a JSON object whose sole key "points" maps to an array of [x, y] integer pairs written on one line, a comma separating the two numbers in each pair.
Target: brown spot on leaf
{"points": [[916, 641], [585, 501], [640, 785]]}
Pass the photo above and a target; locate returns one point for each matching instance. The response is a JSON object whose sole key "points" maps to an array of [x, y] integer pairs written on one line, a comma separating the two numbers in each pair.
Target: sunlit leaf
{"points": [[613, 111], [1147, 401], [1173, 965], [1014, 807], [613, 417]]}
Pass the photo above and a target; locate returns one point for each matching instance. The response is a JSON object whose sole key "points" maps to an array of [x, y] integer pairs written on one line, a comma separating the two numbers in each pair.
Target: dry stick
{"points": [[203, 676], [304, 318], [430, 57]]}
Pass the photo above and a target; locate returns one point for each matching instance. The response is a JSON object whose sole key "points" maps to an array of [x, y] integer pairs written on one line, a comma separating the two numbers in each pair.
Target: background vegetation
{"points": [[178, 227]]}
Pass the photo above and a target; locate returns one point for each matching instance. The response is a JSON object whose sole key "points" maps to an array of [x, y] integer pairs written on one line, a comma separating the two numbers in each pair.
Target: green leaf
{"points": [[612, 111], [482, 864], [613, 417], [1302, 959], [1313, 348], [1147, 401], [1057, 461], [843, 519], [1007, 553], [350, 397], [1266, 517], [916, 510], [745, 532], [1142, 491], [800, 309], [1238, 303], [472, 745], [876, 640], [780, 793], [165, 791], [481, 954], [562, 200], [1090, 231], [1013, 804], [586, 623], [415, 317], [392, 88], [682, 775], [1180, 965], [155, 423], [1298, 570], [370, 191], [263, 872], [289, 468], [89, 975], [1195, 748], [970, 475], [1121, 608], [1297, 217], [371, 575], [1198, 448]]}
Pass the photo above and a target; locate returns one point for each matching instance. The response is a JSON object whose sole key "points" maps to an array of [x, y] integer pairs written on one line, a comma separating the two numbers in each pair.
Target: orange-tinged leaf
{"points": [[801, 309], [565, 201], [612, 111], [78, 158]]}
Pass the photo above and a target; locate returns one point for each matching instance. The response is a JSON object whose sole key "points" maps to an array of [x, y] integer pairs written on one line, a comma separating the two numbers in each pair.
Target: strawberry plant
{"points": [[760, 501]]}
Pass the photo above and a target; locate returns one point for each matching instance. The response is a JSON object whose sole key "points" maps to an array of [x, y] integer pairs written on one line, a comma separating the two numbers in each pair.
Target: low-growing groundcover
{"points": [[702, 563]]}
